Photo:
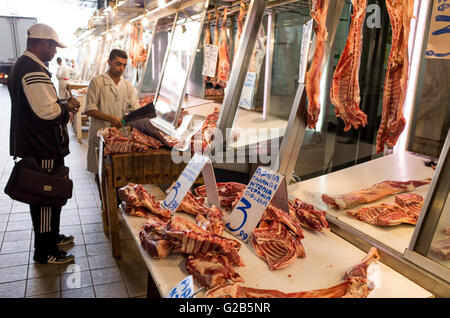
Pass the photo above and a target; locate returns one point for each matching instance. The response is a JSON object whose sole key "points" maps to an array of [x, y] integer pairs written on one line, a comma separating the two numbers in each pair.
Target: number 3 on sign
{"points": [[243, 209]]}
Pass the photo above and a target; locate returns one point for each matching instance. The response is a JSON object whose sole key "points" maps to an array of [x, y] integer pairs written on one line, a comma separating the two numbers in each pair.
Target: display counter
{"points": [[401, 166], [328, 257]]}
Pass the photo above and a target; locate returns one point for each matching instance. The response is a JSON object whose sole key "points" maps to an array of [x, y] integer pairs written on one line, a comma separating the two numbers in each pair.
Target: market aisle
{"points": [[101, 275]]}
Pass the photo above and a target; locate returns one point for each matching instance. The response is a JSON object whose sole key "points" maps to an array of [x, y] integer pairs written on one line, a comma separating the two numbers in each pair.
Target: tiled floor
{"points": [[96, 272]]}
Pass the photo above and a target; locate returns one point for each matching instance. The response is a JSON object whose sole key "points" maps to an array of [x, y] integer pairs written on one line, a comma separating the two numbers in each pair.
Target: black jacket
{"points": [[38, 118]]}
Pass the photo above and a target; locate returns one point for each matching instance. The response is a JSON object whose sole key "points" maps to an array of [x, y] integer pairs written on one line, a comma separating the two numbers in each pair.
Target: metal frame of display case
{"points": [[149, 53]]}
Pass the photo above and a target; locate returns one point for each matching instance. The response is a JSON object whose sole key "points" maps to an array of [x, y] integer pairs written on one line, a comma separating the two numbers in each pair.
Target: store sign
{"points": [[210, 60], [439, 36], [265, 186], [248, 91], [180, 188], [306, 43], [184, 289]]}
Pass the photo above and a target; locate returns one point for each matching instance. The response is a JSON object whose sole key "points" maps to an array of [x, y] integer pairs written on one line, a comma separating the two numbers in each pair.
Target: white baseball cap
{"points": [[45, 32]]}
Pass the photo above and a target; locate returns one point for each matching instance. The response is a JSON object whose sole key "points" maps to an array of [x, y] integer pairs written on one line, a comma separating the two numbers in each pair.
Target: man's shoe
{"points": [[59, 258], [64, 240]]}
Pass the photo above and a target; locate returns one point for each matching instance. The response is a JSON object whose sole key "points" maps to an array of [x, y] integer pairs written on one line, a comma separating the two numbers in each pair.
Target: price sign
{"points": [[210, 60], [439, 37], [184, 289], [248, 91], [306, 41], [264, 186], [180, 188]]}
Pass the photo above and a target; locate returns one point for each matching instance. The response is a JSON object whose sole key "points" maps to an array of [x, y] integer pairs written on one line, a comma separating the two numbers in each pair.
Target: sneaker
{"points": [[65, 240], [60, 258]]}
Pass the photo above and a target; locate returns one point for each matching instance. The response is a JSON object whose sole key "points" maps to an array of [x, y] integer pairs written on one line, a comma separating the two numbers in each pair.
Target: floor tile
{"points": [[80, 264], [24, 216], [15, 273], [13, 289], [15, 247], [85, 219], [50, 295], [19, 225], [137, 287], [114, 290], [70, 229], [94, 238], [8, 260], [134, 271], [92, 228], [102, 261], [106, 276], [36, 270], [3, 226], [43, 285], [89, 211], [17, 236], [4, 218], [98, 249], [76, 280], [86, 292]]}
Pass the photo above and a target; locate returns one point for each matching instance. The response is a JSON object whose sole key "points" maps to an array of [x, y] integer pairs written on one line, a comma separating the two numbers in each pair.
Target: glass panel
{"points": [[185, 38], [439, 248], [156, 58]]}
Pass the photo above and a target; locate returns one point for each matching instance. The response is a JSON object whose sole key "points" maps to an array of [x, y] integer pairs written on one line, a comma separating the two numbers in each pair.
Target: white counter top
{"points": [[402, 167], [328, 258]]}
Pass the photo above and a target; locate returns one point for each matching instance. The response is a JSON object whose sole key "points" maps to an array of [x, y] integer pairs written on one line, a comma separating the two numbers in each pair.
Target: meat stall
{"points": [[337, 157]]}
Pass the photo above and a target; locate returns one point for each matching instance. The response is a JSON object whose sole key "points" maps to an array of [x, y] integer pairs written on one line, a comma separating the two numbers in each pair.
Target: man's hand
{"points": [[73, 105], [116, 122]]}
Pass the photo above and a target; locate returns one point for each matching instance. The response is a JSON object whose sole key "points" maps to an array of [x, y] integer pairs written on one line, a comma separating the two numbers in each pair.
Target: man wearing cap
{"points": [[38, 130]]}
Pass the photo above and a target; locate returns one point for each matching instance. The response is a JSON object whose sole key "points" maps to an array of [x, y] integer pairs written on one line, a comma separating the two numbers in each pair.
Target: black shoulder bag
{"points": [[31, 184]]}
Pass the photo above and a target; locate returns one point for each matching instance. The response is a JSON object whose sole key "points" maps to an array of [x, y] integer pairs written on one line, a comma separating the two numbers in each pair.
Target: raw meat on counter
{"points": [[192, 205], [396, 78], [137, 137], [375, 192], [345, 94], [116, 142], [355, 285], [406, 209], [143, 101], [228, 192], [441, 248], [308, 216], [135, 195], [314, 74], [211, 270]]}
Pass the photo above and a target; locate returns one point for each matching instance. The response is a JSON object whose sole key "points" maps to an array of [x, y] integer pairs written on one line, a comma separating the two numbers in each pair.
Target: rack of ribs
{"points": [[345, 94], [308, 216], [314, 73], [375, 192], [355, 285], [396, 78]]}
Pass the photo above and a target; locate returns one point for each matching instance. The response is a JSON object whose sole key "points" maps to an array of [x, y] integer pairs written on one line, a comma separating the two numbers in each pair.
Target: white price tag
{"points": [[262, 188], [248, 91], [210, 60], [184, 289], [197, 164]]}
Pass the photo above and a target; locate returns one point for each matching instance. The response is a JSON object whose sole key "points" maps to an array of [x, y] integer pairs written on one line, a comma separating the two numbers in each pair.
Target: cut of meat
{"points": [[276, 245], [345, 94], [240, 25], [383, 215], [228, 192], [441, 248], [355, 285], [215, 79], [314, 74], [396, 78], [410, 201], [224, 61], [138, 137], [211, 270], [135, 195], [375, 192], [308, 216], [192, 205], [274, 213]]}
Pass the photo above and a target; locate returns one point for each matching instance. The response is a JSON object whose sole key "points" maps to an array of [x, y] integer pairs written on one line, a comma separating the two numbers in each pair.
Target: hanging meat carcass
{"points": [[206, 41], [312, 81], [224, 60], [355, 285], [396, 79], [345, 94], [240, 26]]}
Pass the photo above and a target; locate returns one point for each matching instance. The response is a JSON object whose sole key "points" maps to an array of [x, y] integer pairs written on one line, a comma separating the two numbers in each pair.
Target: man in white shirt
{"points": [[109, 98], [62, 75]]}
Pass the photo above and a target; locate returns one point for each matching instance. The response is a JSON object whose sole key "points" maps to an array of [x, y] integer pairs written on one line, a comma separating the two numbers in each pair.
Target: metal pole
{"points": [[269, 61]]}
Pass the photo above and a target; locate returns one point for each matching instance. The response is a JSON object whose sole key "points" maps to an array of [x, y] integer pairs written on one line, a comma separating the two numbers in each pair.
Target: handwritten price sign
{"points": [[439, 36], [262, 188], [248, 91], [184, 289], [210, 62]]}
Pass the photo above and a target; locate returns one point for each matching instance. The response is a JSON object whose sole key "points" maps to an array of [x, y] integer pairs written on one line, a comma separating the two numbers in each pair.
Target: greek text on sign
{"points": [[180, 188], [439, 33], [184, 289], [210, 60], [248, 91], [259, 193]]}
